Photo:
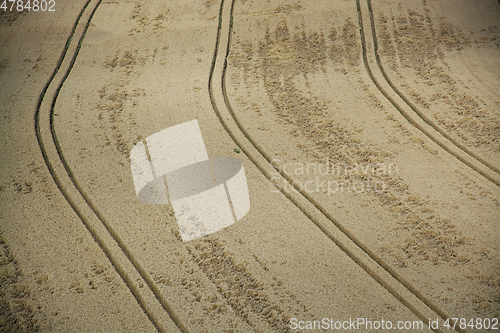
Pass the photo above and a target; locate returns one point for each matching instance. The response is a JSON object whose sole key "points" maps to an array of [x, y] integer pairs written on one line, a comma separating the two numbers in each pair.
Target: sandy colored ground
{"points": [[399, 98]]}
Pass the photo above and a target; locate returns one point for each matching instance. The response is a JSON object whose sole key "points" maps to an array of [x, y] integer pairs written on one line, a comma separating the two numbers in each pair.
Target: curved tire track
{"points": [[407, 294], [407, 109], [151, 301]]}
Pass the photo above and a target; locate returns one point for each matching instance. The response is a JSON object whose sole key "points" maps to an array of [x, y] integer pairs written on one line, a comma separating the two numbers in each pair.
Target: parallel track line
{"points": [[345, 240], [427, 301], [98, 236], [423, 123]]}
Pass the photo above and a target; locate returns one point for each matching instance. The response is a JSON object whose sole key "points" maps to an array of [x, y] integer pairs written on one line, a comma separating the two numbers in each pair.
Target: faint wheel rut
{"points": [[242, 291]]}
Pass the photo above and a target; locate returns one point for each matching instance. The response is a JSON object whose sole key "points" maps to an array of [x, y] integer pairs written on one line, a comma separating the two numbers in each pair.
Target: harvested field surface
{"points": [[369, 135]]}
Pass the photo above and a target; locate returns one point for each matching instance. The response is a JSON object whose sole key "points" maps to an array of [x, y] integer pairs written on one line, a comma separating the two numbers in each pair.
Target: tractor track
{"points": [[407, 109], [378, 269], [112, 245]]}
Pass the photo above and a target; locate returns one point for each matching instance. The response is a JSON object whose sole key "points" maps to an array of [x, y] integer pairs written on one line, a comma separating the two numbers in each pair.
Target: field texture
{"points": [[369, 132]]}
